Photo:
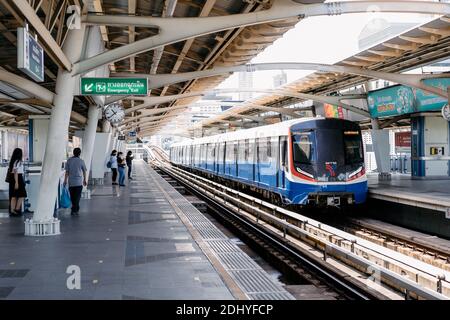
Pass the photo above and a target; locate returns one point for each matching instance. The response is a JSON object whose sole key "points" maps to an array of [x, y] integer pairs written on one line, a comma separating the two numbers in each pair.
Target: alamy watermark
{"points": [[73, 282], [74, 19]]}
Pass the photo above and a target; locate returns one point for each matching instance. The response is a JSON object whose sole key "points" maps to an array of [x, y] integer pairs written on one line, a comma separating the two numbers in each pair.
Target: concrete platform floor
{"points": [[402, 186], [127, 242]]}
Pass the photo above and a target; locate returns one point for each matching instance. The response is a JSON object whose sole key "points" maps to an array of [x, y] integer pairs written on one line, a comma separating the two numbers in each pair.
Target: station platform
{"points": [[422, 205], [428, 194], [142, 241]]}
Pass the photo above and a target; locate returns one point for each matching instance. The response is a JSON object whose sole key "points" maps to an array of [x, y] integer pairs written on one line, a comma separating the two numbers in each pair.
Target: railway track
{"points": [[287, 258], [370, 267], [410, 246]]}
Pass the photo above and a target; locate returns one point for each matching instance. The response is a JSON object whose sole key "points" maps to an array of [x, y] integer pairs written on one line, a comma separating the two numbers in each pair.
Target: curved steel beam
{"points": [[153, 101], [337, 100], [174, 30], [147, 118], [253, 118], [29, 87], [35, 91], [152, 112], [287, 111], [412, 80]]}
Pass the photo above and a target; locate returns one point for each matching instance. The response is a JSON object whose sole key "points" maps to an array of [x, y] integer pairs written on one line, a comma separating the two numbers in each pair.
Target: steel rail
{"points": [[348, 287], [401, 281], [339, 236]]}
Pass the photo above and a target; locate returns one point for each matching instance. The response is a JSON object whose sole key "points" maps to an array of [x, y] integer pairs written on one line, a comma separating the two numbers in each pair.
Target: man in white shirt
{"points": [[76, 176]]}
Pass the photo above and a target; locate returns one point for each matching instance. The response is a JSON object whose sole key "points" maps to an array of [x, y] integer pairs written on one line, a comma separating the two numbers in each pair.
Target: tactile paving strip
{"points": [[248, 275]]}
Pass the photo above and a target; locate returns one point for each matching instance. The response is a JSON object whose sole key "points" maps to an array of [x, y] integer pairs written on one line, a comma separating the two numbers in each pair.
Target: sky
{"points": [[318, 39], [326, 39]]}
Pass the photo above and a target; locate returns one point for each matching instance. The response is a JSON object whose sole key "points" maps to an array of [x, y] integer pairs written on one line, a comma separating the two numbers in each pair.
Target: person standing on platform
{"points": [[129, 160], [77, 178], [17, 192], [114, 166], [121, 166]]}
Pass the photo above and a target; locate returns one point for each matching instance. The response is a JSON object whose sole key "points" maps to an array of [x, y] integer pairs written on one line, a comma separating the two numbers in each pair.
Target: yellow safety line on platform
{"points": [[234, 288]]}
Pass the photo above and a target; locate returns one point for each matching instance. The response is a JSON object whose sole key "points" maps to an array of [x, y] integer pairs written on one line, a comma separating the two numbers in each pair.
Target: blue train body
{"points": [[309, 161]]}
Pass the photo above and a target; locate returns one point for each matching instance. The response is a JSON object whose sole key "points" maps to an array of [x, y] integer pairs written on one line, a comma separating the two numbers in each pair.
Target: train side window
{"points": [[274, 147], [251, 150], [197, 154], [246, 150], [209, 147], [227, 154], [263, 150], [201, 153], [213, 152], [221, 155], [241, 152]]}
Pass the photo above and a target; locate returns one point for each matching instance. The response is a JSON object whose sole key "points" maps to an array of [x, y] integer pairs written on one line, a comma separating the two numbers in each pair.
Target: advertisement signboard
{"points": [[399, 99], [332, 111], [403, 142]]}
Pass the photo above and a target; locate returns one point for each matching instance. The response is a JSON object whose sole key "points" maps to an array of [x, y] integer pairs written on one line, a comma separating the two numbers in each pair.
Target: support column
{"points": [[380, 141], [88, 143], [43, 222], [106, 126]]}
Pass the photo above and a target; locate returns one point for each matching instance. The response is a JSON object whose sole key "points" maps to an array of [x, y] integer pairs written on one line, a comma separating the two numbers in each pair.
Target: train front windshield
{"points": [[353, 147], [327, 154]]}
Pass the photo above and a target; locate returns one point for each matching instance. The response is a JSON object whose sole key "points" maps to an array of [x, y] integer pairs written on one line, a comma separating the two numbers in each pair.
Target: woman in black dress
{"points": [[17, 192], [129, 160]]}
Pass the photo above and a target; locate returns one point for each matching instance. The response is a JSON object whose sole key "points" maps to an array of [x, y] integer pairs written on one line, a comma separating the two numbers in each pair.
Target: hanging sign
{"points": [[114, 86], [399, 99], [30, 55]]}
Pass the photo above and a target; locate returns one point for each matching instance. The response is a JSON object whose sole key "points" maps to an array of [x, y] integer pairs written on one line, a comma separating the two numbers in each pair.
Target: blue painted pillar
{"points": [[417, 146], [30, 140]]}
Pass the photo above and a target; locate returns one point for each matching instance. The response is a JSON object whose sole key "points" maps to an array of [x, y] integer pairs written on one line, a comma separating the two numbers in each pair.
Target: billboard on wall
{"points": [[403, 142], [399, 99], [332, 111]]}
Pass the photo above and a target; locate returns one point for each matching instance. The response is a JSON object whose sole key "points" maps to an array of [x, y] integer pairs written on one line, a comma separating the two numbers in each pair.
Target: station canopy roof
{"points": [[217, 49], [419, 46]]}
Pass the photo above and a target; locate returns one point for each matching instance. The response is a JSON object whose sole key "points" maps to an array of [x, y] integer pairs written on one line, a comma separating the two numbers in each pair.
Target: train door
{"points": [[183, 153], [252, 159], [214, 157], [258, 160], [223, 156], [236, 158], [209, 160], [283, 162]]}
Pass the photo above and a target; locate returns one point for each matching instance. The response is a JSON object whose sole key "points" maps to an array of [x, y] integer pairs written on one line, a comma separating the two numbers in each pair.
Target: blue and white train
{"points": [[309, 161]]}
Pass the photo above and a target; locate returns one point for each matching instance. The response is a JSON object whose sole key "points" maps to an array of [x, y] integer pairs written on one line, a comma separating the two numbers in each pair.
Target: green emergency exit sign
{"points": [[114, 86]]}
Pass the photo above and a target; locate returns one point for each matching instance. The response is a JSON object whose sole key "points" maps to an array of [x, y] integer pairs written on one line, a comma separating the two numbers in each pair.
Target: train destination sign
{"points": [[30, 55], [114, 86]]}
